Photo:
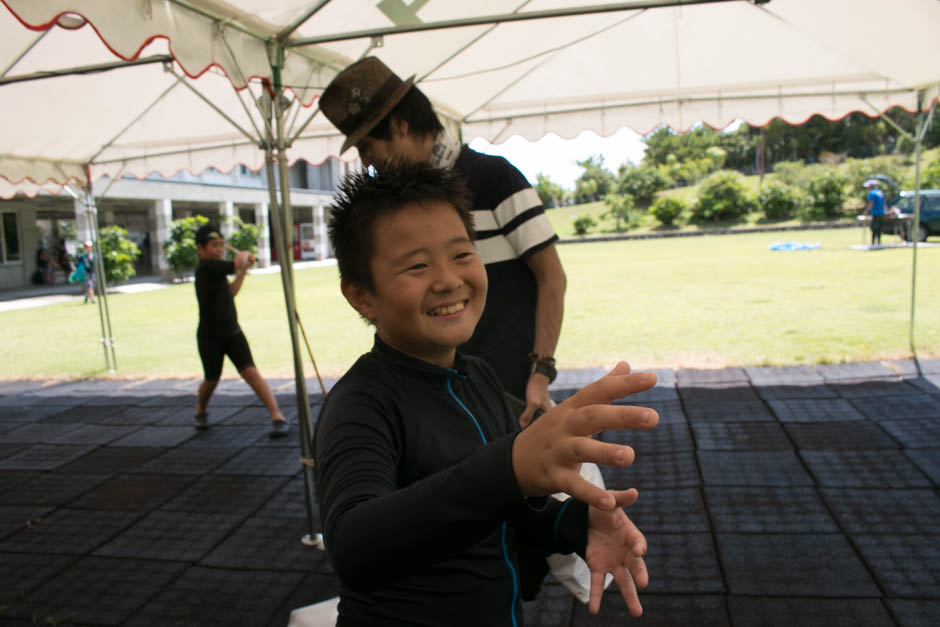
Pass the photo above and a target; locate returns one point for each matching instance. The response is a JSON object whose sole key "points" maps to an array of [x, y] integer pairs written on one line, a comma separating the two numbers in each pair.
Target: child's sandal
{"points": [[201, 421]]}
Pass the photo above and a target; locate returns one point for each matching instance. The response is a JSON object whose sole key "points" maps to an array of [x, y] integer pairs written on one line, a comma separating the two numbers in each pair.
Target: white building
{"points": [[147, 207]]}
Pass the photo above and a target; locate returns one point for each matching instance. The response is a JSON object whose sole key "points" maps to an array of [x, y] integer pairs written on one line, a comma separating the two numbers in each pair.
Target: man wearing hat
{"points": [[387, 119], [876, 209]]}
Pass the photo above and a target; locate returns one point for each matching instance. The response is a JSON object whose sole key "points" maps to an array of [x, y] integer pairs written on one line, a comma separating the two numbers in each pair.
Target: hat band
{"points": [[353, 122]]}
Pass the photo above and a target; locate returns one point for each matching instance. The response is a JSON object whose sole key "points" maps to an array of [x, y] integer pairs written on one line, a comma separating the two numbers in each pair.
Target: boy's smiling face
{"points": [[214, 249], [430, 286]]}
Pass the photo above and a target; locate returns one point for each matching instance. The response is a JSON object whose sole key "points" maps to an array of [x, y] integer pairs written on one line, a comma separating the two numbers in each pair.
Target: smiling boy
{"points": [[426, 486]]}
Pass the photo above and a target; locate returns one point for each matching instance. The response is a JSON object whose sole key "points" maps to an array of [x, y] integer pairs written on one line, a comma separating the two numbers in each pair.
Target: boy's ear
{"points": [[359, 299], [399, 127]]}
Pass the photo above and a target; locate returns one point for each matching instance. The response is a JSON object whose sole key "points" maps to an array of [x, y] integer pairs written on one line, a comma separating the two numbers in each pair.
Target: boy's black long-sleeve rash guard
{"points": [[420, 506]]}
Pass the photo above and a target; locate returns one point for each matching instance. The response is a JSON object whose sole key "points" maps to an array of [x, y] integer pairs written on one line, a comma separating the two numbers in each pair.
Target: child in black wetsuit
{"points": [[426, 485], [218, 334]]}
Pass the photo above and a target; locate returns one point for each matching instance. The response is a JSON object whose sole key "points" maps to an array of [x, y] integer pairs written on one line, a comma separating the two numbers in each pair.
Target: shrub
{"points": [[118, 253], [245, 237], [582, 223], [930, 176], [778, 201], [826, 195], [789, 172], [181, 248], [620, 209], [857, 171], [641, 183], [666, 209], [722, 196]]}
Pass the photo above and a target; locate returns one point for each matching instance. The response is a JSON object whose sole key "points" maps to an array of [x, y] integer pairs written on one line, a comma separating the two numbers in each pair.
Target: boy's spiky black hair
{"points": [[365, 196]]}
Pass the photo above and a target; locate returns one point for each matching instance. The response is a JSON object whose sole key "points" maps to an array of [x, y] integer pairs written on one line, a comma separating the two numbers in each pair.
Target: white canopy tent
{"points": [[147, 86]]}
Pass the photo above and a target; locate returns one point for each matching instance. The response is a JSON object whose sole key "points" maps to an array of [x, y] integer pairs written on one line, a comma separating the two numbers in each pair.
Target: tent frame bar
{"points": [[499, 19], [86, 69]]}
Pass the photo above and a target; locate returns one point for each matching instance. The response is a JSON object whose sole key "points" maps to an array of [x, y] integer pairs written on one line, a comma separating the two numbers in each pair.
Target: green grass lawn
{"points": [[705, 301]]}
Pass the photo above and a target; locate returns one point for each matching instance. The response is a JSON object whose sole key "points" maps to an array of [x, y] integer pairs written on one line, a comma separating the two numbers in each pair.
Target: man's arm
{"points": [[549, 310]]}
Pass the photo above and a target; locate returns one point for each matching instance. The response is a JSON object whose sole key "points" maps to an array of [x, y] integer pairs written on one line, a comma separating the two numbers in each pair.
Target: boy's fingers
{"points": [[628, 590], [583, 490], [625, 498], [613, 386], [597, 591], [596, 418], [588, 450]]}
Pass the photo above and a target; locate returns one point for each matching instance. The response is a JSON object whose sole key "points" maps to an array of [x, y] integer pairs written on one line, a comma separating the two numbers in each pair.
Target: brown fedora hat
{"points": [[360, 97]]}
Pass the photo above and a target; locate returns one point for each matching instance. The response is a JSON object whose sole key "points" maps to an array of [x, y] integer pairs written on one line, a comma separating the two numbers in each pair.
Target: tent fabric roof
{"points": [[705, 61]]}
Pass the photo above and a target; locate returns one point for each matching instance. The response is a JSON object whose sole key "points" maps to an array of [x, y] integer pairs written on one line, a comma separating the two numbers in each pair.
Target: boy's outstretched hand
{"points": [[547, 455], [616, 546]]}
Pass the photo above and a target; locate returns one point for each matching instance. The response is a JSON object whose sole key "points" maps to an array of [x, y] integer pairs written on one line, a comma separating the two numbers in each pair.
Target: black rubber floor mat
{"points": [[84, 414], [794, 391], [229, 494], [670, 412], [874, 389], [906, 566], [661, 470], [97, 591], [226, 436], [731, 393], [267, 544], [37, 433], [677, 510], [855, 370], [16, 518], [178, 536], [53, 488], [835, 436], [740, 436], [290, 501], [899, 407], [928, 461], [794, 565], [21, 573], [92, 434], [211, 597], [189, 461], [914, 432], [11, 479], [861, 469], [44, 456], [682, 564], [261, 461], [662, 439], [776, 612], [705, 610], [742, 468], [156, 436], [137, 492], [69, 531], [862, 511], [731, 411], [691, 377], [768, 510], [142, 416], [114, 459], [783, 375], [915, 613], [814, 410]]}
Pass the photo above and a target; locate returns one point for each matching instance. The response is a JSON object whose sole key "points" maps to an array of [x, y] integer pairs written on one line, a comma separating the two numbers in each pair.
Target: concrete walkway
{"points": [[769, 496]]}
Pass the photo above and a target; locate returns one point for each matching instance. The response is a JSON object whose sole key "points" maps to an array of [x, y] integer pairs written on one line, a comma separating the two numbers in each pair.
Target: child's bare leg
{"points": [[206, 388], [253, 378]]}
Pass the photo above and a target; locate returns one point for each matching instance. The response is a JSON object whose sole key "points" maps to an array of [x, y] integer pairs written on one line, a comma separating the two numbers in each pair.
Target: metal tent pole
{"points": [[102, 281], [919, 132], [281, 216]]}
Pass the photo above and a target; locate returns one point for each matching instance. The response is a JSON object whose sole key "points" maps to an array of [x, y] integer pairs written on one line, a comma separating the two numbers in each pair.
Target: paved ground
{"points": [[770, 496]]}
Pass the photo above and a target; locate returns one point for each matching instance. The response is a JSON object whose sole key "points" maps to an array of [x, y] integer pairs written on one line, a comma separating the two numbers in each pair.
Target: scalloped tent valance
{"points": [[579, 66]]}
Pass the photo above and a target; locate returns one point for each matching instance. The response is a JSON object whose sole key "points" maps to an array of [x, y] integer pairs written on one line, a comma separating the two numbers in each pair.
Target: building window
{"points": [[9, 238]]}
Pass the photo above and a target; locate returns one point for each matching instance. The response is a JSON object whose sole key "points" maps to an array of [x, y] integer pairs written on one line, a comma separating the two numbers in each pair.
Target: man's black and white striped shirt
{"points": [[510, 225]]}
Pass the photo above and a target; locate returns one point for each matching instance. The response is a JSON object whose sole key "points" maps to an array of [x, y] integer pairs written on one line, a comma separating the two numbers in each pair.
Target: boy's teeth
{"points": [[446, 310]]}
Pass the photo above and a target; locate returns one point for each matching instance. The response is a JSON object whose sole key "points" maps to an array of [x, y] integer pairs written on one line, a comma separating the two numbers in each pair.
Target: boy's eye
{"points": [[417, 266], [464, 255]]}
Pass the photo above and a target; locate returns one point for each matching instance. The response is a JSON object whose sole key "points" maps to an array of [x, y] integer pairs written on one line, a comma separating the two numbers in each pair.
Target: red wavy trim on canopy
{"points": [[53, 22]]}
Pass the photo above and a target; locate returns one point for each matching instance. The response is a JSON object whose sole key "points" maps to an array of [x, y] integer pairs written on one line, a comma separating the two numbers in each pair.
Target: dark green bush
{"points": [[666, 209], [826, 194], [181, 248], [621, 209], [641, 183], [118, 253], [582, 223], [245, 237], [722, 197], [778, 201]]}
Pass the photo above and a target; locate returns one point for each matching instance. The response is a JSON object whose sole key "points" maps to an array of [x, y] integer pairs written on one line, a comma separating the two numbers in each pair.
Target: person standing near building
{"points": [[876, 209], [87, 259], [389, 119]]}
